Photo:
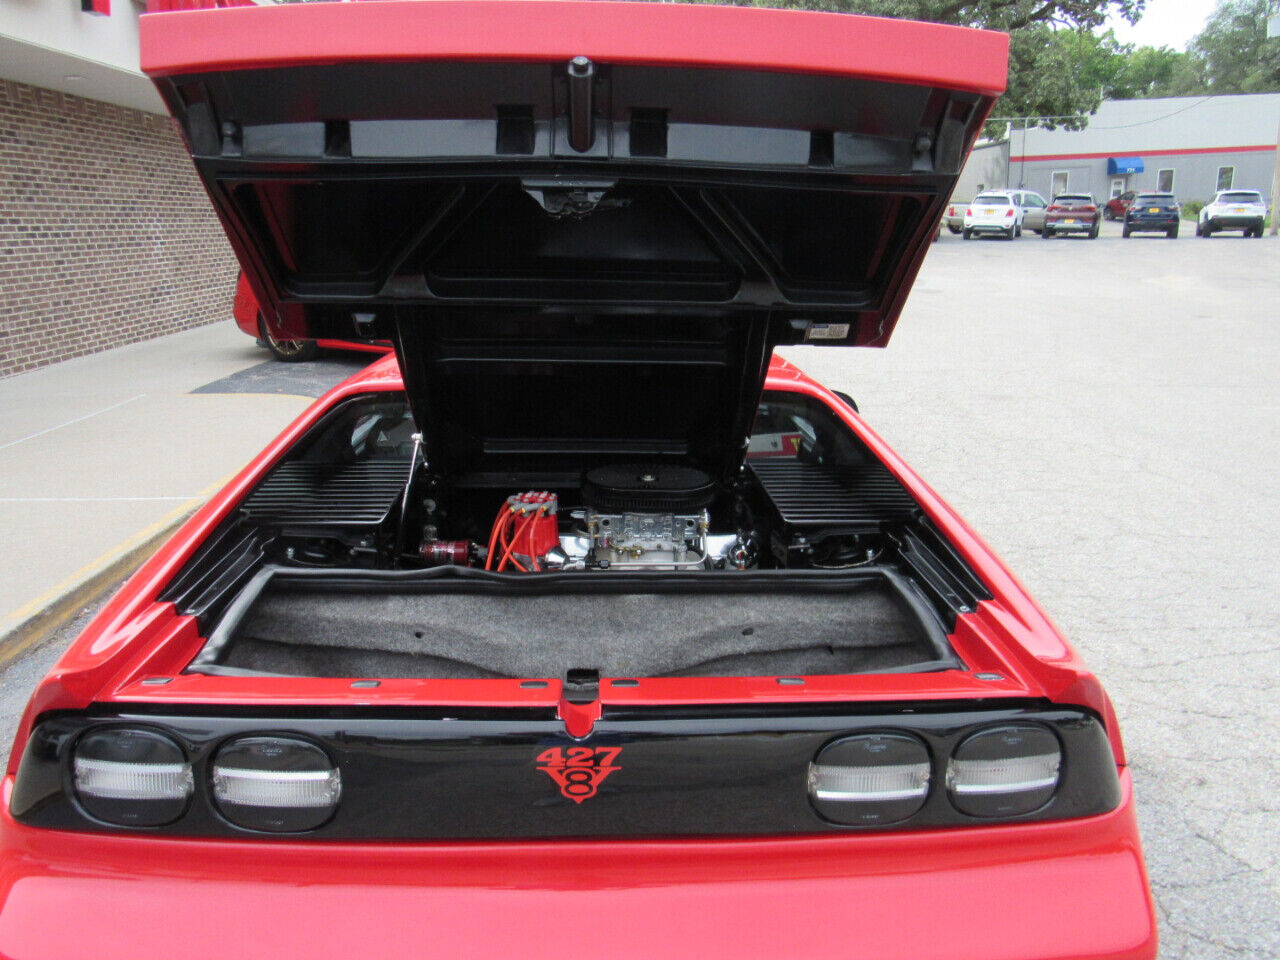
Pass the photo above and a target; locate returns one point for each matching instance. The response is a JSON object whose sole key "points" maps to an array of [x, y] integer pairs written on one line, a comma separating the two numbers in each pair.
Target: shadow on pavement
{"points": [[298, 379]]}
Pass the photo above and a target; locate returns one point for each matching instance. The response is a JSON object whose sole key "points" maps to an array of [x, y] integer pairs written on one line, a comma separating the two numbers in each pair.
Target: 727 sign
{"points": [[578, 771]]}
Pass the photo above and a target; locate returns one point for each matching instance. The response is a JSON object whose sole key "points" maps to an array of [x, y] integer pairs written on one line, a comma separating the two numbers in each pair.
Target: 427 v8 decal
{"points": [[578, 771]]}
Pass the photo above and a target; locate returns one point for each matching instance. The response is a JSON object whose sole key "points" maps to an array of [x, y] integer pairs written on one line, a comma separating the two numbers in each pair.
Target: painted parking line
{"points": [[90, 499], [31, 608], [95, 413]]}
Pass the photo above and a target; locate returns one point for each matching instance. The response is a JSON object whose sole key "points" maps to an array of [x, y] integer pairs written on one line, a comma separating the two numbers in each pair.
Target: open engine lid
{"points": [[617, 206]]}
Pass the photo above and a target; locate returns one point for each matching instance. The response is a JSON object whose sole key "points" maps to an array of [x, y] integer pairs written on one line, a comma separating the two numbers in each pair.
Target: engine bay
{"points": [[635, 517], [808, 496], [353, 558]]}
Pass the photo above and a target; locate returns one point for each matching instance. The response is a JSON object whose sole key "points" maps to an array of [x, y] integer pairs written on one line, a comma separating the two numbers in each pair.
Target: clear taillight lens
{"points": [[870, 779], [1004, 771], [275, 784], [130, 776]]}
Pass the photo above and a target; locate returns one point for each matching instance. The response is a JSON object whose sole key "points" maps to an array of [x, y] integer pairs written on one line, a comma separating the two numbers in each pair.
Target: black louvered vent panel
{"points": [[329, 495], [808, 494]]}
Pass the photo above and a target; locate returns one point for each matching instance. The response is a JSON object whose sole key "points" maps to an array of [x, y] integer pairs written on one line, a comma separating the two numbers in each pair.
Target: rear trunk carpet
{"points": [[868, 628]]}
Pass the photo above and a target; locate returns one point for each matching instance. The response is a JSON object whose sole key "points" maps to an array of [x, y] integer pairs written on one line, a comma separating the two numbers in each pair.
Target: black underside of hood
{"points": [[577, 263]]}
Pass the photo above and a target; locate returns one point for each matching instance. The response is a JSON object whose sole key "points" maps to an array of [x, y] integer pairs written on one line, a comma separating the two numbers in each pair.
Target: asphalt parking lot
{"points": [[1104, 413]]}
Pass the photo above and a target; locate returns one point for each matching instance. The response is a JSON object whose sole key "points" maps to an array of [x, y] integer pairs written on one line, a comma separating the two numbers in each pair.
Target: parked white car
{"points": [[1244, 210], [1033, 208], [994, 213], [988, 214]]}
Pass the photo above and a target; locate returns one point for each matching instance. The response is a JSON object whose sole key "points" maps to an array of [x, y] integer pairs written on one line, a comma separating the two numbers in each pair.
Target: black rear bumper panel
{"points": [[414, 775]]}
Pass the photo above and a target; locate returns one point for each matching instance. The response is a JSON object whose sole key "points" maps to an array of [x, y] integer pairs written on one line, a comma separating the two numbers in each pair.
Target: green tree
{"points": [[1056, 76], [1148, 72], [1233, 52], [1058, 68]]}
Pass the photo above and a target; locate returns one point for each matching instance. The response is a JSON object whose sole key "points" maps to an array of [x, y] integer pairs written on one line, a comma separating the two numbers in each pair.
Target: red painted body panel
{"points": [[135, 636], [1050, 891], [245, 307], [1032, 891], [640, 33], [1046, 891], [353, 345], [245, 311]]}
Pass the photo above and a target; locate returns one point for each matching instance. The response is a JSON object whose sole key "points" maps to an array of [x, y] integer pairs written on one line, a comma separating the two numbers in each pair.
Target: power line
{"points": [[1119, 126]]}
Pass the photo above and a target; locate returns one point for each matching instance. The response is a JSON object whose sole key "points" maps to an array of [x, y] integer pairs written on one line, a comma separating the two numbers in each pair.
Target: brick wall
{"points": [[106, 236]]}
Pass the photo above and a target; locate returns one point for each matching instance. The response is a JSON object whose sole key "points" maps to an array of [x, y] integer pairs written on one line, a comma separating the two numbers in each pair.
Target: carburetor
{"points": [[643, 515], [669, 540]]}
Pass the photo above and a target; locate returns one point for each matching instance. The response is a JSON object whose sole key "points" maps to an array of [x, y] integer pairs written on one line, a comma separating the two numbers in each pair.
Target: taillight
{"points": [[276, 784], [871, 778], [1009, 213], [951, 211], [132, 777], [968, 211], [1004, 771], [1054, 208]]}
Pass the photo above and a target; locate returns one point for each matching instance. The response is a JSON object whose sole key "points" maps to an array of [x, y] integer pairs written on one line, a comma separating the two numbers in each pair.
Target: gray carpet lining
{"points": [[351, 634]]}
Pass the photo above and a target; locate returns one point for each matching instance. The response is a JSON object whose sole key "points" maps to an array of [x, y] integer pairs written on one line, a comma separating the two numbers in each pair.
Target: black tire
{"points": [[1097, 228], [1046, 234], [287, 351], [1013, 232], [1017, 230], [1208, 231], [1172, 233], [968, 234], [1257, 231], [1126, 232], [955, 230], [1199, 229]]}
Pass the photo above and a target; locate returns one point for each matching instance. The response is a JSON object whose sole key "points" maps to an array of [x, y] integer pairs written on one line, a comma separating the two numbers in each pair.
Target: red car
{"points": [[588, 626], [1072, 213], [1117, 207], [249, 318]]}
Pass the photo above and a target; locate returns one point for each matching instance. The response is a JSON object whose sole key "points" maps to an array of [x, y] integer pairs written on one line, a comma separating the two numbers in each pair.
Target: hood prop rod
{"points": [[582, 132], [402, 522]]}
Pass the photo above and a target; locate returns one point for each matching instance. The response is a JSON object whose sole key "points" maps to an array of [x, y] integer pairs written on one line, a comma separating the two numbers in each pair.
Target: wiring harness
{"points": [[524, 531]]}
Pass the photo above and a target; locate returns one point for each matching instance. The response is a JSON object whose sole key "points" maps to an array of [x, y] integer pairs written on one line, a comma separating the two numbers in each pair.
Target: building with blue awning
{"points": [[1124, 166], [1191, 146]]}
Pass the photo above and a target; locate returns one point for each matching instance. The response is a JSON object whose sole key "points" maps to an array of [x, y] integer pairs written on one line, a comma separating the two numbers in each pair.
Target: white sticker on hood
{"points": [[827, 331]]}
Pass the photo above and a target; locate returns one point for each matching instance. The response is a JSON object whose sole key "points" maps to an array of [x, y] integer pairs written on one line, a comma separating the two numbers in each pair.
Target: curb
{"points": [[97, 582]]}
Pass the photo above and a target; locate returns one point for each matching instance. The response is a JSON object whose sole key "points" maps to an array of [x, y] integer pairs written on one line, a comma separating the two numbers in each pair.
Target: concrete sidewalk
{"points": [[102, 454]]}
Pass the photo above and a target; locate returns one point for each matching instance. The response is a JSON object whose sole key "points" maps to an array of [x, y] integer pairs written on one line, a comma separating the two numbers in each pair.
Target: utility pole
{"points": [[1273, 34], [1275, 188]]}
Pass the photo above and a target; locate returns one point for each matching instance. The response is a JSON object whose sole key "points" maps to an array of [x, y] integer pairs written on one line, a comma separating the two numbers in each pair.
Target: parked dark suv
{"points": [[1151, 212]]}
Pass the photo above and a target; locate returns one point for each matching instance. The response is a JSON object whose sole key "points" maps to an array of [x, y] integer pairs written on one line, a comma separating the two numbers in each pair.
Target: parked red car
{"points": [[594, 628], [249, 318], [1117, 207], [1072, 213]]}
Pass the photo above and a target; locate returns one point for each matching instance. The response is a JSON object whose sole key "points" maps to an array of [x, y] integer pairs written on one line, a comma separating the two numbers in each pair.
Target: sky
{"points": [[1167, 23]]}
